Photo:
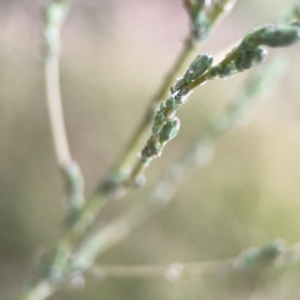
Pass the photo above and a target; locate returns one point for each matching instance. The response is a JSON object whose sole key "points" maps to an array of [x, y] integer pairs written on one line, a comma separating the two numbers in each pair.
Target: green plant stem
{"points": [[279, 256], [170, 272], [55, 111], [56, 12]]}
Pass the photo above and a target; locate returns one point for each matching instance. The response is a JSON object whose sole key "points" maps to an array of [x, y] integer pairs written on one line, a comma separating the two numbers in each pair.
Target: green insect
{"points": [[169, 130], [198, 67], [280, 36]]}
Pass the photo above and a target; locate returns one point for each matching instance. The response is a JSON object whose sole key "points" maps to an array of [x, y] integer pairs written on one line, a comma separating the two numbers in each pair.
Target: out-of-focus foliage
{"points": [[115, 53]]}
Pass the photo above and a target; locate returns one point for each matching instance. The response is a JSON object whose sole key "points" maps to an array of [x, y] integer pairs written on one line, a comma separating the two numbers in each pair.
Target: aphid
{"points": [[198, 67], [280, 35], [170, 130]]}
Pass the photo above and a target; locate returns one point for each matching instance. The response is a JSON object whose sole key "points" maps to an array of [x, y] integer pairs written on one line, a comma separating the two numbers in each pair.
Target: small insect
{"points": [[198, 67], [170, 130]]}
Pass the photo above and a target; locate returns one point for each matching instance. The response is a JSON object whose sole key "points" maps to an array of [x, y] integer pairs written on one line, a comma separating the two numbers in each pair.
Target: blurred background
{"points": [[115, 54]]}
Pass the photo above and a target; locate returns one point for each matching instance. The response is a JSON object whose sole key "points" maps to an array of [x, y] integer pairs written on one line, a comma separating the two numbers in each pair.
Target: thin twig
{"points": [[170, 272], [273, 254], [56, 12], [55, 111]]}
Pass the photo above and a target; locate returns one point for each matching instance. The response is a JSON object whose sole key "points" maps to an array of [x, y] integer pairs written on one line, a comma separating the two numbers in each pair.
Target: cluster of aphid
{"points": [[271, 253], [247, 55], [166, 125]]}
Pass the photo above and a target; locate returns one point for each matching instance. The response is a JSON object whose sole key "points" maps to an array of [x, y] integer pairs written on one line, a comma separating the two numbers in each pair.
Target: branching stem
{"points": [[214, 16]]}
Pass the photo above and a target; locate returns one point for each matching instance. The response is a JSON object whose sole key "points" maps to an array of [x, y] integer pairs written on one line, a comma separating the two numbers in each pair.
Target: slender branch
{"points": [[273, 254], [56, 12], [197, 156], [55, 111], [171, 272]]}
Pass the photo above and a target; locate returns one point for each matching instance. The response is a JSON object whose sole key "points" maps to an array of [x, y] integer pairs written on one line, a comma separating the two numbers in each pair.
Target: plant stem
{"points": [[273, 254], [56, 12], [55, 111], [171, 272]]}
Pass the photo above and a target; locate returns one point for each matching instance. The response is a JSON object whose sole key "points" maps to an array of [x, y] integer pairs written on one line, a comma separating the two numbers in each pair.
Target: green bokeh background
{"points": [[115, 54]]}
